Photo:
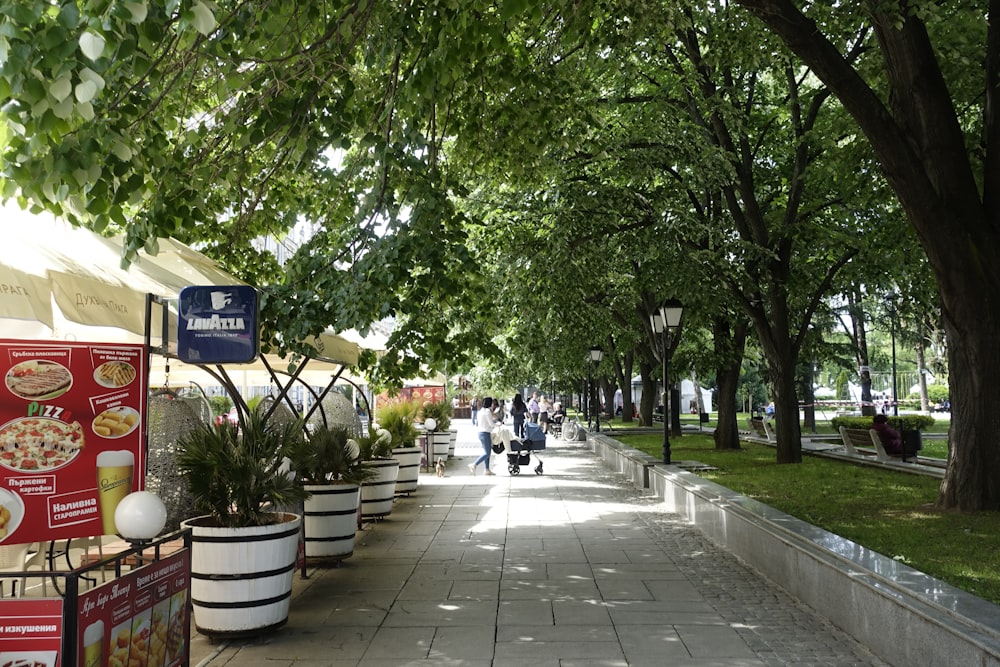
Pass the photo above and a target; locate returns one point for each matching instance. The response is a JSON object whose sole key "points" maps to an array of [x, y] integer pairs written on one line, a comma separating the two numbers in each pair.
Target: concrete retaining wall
{"points": [[902, 615]]}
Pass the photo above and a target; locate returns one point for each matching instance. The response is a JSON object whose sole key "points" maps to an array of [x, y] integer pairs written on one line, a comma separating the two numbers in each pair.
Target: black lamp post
{"points": [[596, 354], [891, 302], [663, 321]]}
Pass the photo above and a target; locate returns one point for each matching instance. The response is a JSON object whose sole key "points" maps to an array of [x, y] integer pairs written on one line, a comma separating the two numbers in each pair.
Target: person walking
{"points": [[533, 407], [485, 424], [475, 409], [519, 412], [544, 408]]}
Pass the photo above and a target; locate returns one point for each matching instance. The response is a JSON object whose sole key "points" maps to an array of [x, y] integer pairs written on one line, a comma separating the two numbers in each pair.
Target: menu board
{"points": [[138, 620], [31, 632], [72, 428]]}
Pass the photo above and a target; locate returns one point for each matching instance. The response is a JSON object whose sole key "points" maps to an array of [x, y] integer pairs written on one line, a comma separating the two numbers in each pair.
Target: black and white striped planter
{"points": [[409, 469], [442, 445], [241, 578], [377, 494], [330, 520]]}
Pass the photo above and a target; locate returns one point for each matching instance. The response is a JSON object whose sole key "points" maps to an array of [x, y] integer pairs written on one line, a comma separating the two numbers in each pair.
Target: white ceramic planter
{"points": [[377, 494], [330, 520], [452, 441], [241, 578], [409, 469]]}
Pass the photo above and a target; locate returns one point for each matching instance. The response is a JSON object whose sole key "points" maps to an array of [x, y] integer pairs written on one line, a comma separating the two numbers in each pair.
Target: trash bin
{"points": [[913, 442]]}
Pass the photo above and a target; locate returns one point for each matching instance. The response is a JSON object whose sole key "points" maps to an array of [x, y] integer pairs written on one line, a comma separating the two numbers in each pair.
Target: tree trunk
{"points": [[626, 385], [675, 411], [918, 346], [860, 336], [787, 429], [647, 402], [729, 343], [699, 403]]}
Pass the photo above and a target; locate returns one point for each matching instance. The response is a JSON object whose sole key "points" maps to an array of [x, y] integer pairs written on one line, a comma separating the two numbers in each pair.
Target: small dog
{"points": [[439, 467]]}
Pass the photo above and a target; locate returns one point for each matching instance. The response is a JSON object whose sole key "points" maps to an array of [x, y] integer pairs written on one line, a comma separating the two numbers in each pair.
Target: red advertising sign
{"points": [[140, 618], [428, 394], [31, 632], [72, 425]]}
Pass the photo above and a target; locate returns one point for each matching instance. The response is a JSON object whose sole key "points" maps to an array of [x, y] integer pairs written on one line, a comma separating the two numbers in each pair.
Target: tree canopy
{"points": [[526, 179]]}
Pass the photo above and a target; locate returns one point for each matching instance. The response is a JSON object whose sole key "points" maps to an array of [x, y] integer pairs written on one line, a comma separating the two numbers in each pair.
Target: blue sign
{"points": [[218, 325]]}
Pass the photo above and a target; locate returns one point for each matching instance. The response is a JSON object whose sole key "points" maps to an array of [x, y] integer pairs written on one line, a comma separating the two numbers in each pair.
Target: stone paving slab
{"points": [[573, 568]]}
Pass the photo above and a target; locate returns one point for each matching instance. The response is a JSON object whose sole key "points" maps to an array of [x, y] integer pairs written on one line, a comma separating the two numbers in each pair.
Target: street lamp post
{"points": [[892, 328], [596, 354], [663, 321]]}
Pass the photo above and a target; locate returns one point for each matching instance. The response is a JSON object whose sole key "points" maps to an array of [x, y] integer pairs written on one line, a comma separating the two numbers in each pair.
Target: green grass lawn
{"points": [[889, 512]]}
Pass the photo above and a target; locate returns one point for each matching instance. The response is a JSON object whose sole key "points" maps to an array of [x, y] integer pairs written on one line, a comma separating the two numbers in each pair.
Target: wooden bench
{"points": [[762, 428], [866, 438]]}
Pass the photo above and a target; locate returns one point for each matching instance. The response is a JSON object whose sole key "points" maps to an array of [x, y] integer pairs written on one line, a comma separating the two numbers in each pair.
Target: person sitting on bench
{"points": [[891, 440], [559, 416]]}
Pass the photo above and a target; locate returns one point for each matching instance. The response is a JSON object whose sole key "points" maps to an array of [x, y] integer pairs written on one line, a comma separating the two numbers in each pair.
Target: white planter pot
{"points": [[331, 520], [452, 441], [377, 494], [442, 444], [409, 468], [241, 578]]}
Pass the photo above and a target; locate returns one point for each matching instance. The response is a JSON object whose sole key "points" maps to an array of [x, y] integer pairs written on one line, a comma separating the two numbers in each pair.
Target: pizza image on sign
{"points": [[39, 444], [38, 379]]}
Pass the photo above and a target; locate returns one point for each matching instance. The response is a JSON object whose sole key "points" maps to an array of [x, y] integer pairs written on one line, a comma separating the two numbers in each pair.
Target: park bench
{"points": [[762, 429], [865, 438]]}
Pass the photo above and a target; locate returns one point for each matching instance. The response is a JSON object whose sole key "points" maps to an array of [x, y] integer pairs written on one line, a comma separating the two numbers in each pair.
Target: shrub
{"points": [[440, 412], [937, 393], [220, 404], [900, 423]]}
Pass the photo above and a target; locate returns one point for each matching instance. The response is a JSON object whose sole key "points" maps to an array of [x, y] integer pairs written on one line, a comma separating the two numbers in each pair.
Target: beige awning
{"points": [[64, 282]]}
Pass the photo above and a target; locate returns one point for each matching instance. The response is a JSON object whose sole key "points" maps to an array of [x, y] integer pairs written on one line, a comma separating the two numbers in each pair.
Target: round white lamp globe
{"points": [[140, 516], [430, 424], [384, 436]]}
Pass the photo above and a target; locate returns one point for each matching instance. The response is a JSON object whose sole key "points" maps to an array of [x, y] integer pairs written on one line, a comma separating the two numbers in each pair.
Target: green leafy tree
{"points": [[930, 119]]}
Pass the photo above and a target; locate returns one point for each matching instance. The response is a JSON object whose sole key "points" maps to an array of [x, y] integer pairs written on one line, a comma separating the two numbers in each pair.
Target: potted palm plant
{"points": [[398, 419], [439, 413], [243, 550], [327, 463], [378, 491]]}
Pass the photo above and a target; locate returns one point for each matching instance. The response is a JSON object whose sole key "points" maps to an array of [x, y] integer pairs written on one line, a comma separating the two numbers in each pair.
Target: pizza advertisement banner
{"points": [[31, 632], [138, 620], [72, 431]]}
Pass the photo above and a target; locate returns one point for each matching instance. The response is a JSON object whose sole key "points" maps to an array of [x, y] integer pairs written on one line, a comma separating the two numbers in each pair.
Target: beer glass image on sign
{"points": [[93, 645], [114, 482]]}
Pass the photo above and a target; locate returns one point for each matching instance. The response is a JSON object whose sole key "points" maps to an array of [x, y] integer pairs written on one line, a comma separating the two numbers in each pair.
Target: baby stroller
{"points": [[520, 450]]}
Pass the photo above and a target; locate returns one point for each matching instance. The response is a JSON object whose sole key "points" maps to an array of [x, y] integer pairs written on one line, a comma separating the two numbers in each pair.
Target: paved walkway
{"points": [[570, 568]]}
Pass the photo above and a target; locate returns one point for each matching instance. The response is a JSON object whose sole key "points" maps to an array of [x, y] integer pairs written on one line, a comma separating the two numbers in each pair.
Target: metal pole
{"points": [[895, 399], [812, 389], [597, 403], [666, 401]]}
